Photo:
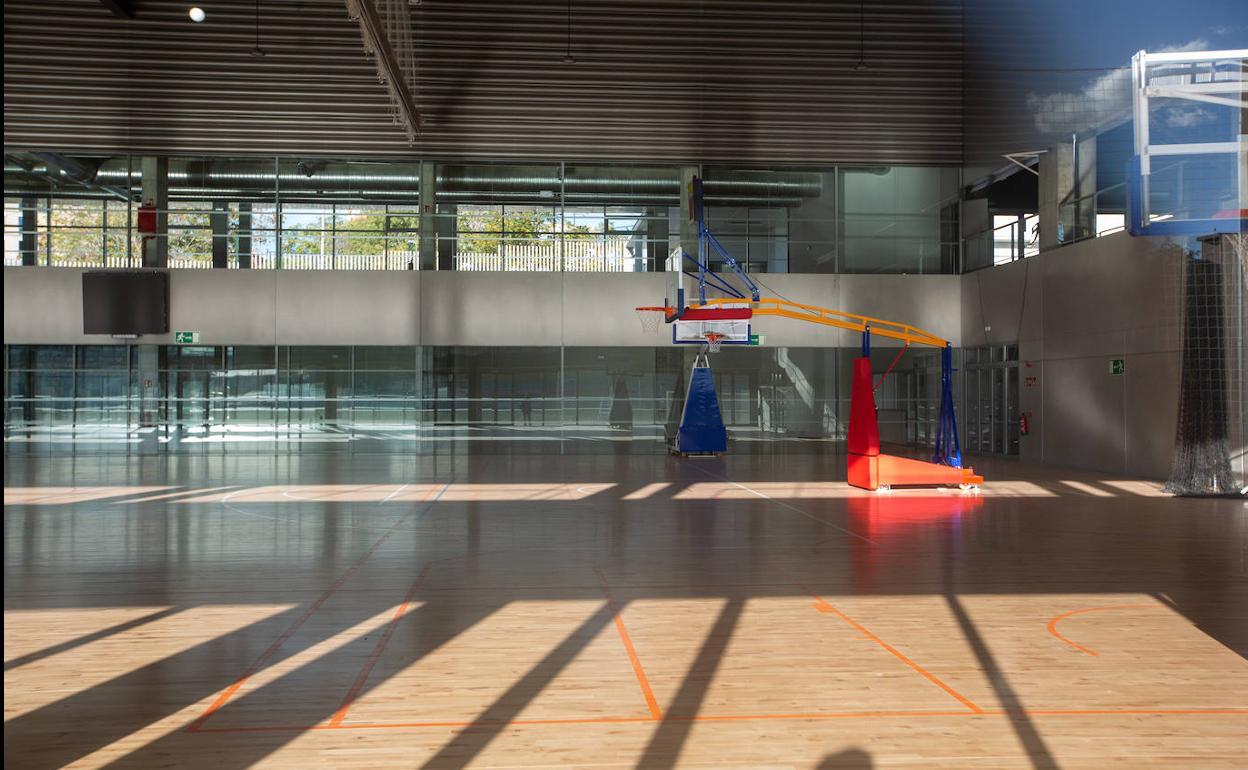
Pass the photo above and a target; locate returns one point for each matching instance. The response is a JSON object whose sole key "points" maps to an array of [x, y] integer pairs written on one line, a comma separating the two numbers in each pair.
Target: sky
{"points": [[1105, 33]]}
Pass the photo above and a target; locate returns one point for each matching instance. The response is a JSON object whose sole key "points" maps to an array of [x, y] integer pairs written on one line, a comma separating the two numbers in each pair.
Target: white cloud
{"points": [[1104, 101], [1187, 117], [1199, 44]]}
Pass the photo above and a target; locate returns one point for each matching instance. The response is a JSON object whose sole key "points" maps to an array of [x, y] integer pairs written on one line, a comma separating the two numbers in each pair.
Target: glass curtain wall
{"points": [[324, 214], [157, 399]]}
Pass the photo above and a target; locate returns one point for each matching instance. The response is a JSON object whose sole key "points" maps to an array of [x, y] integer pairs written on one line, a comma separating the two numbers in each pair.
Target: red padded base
{"points": [[866, 472]]}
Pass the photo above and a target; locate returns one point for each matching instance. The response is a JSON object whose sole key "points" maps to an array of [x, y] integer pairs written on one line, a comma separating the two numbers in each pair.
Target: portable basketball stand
{"points": [[715, 321], [702, 432]]}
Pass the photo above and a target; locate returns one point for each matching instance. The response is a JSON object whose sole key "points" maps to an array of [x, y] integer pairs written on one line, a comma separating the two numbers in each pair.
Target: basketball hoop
{"points": [[713, 341], [652, 317]]}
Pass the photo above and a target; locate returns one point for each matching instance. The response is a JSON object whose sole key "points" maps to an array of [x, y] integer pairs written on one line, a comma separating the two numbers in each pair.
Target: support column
{"points": [[656, 239], [28, 242], [244, 236], [688, 226], [147, 370], [1243, 140], [476, 414], [688, 234], [1085, 185], [1057, 176], [428, 216], [156, 193], [446, 227], [219, 220], [976, 231]]}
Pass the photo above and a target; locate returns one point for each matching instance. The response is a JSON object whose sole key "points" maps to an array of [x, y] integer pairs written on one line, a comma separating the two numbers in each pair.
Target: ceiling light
{"points": [[258, 52], [197, 14]]}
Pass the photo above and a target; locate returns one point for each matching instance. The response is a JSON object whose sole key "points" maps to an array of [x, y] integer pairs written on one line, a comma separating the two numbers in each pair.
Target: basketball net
{"points": [[1238, 241], [651, 318]]}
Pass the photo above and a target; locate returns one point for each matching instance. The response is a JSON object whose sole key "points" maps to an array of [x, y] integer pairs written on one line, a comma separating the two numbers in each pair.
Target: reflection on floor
{"points": [[613, 611], [371, 438]]}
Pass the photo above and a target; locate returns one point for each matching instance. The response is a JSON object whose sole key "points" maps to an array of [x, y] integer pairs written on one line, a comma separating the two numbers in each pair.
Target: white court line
{"points": [[395, 492], [783, 504], [225, 501]]}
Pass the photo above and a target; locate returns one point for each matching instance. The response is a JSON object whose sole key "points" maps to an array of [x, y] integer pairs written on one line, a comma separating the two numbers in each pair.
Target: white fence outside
{"points": [[579, 256]]}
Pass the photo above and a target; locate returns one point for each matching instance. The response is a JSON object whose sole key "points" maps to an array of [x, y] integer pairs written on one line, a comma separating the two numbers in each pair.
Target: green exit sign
{"points": [[757, 339], [186, 338], [1118, 366]]}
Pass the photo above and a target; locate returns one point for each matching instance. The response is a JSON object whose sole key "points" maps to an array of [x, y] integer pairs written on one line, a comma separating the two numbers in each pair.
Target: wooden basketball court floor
{"points": [[613, 611]]}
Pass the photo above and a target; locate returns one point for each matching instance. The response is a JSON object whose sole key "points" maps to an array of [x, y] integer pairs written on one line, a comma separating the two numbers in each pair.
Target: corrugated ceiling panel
{"points": [[668, 80]]}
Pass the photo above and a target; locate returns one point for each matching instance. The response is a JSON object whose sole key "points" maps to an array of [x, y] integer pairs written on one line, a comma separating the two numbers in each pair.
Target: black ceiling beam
{"points": [[119, 8]]}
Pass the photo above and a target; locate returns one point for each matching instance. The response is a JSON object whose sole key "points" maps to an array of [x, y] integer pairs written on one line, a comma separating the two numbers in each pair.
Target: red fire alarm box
{"points": [[147, 218]]}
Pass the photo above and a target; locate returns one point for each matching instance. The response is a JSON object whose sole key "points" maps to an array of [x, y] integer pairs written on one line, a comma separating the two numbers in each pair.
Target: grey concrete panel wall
{"points": [[1083, 415], [600, 308], [929, 302], [491, 309], [318, 307], [1116, 294], [291, 307], [1084, 304], [1115, 297], [43, 305], [222, 305], [1003, 304], [1150, 412], [821, 290]]}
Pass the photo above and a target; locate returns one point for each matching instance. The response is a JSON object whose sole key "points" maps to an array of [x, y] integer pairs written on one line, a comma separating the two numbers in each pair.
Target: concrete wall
{"points": [[1072, 310], [291, 307]]}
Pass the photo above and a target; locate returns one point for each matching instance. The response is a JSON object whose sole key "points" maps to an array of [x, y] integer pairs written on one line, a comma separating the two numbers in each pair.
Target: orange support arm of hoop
{"points": [[837, 318]]}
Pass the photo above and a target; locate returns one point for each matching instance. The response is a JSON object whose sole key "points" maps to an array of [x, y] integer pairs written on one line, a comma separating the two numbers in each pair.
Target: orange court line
{"points": [[1138, 712], [822, 605], [818, 716], [362, 678], [642, 681], [272, 649], [1052, 625]]}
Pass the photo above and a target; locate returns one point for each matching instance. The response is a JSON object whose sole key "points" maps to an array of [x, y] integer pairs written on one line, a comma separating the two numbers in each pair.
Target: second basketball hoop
{"points": [[713, 341], [726, 325]]}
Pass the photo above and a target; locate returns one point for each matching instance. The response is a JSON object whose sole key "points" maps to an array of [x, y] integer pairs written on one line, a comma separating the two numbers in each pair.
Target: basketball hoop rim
{"points": [[653, 316]]}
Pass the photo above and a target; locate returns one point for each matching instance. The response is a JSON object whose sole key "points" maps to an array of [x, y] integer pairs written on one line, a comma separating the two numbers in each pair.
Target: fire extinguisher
{"points": [[1023, 427]]}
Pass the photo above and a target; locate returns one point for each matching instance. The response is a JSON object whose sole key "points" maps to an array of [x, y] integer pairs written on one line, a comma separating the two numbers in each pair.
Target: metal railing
{"points": [[1005, 243], [1082, 218]]}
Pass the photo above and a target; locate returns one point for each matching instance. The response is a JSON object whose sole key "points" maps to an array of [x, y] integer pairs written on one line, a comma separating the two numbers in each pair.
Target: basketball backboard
{"points": [[1189, 173]]}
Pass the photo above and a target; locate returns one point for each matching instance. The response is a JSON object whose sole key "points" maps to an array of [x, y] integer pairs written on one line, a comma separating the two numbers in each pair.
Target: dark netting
{"points": [[1202, 460]]}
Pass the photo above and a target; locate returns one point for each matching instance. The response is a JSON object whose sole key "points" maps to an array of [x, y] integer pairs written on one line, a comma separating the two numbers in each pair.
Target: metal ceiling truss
{"points": [[389, 40]]}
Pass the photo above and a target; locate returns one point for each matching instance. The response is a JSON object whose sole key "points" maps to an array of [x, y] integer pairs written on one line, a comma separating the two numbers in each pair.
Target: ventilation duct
{"points": [[329, 181]]}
